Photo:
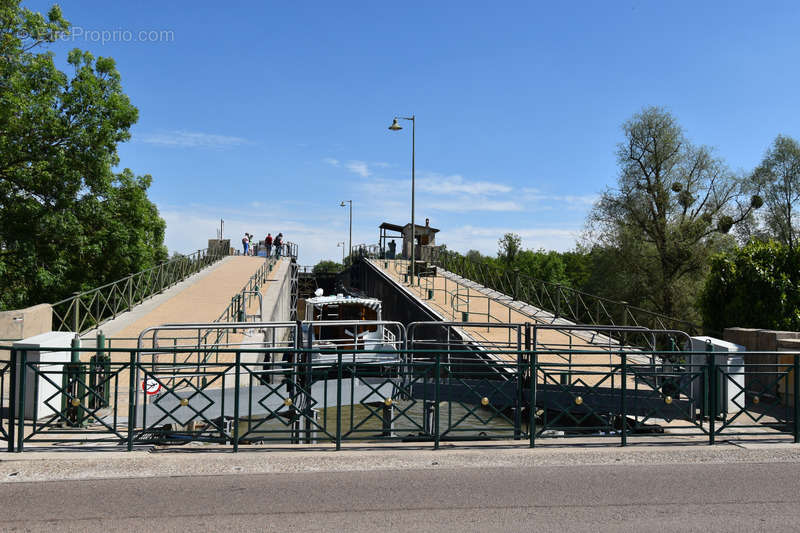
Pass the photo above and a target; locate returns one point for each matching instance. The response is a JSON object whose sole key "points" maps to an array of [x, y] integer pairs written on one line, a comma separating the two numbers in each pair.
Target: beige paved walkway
{"points": [[454, 301], [202, 301], [451, 298]]}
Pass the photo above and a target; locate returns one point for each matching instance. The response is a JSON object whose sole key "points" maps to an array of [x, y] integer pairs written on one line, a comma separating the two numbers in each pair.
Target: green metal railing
{"points": [[5, 392], [240, 303], [561, 301], [294, 396], [89, 309]]}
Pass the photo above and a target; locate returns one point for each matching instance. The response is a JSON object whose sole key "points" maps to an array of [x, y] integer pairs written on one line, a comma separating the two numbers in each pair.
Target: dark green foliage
{"points": [[67, 222], [508, 247], [327, 267], [757, 286], [779, 174], [542, 265], [474, 255]]}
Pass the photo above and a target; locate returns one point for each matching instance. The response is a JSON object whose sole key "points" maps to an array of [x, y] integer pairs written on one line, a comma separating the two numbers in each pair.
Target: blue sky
{"points": [[268, 114]]}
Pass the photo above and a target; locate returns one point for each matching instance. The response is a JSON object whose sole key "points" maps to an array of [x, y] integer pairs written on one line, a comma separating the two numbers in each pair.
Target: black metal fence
{"points": [[295, 395]]}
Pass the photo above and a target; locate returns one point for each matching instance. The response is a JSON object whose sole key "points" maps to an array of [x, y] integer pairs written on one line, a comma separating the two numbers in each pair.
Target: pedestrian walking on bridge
{"points": [[268, 244]]}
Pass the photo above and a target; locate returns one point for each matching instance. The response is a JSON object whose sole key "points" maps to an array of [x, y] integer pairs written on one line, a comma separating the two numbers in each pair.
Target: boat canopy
{"points": [[339, 299]]}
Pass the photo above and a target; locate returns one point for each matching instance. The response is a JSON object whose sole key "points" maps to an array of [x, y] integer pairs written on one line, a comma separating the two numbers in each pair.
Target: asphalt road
{"points": [[698, 497]]}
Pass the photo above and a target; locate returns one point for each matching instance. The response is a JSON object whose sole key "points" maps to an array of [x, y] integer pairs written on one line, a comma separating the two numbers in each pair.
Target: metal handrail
{"points": [[87, 310], [459, 303], [562, 301], [317, 395], [240, 302], [257, 280]]}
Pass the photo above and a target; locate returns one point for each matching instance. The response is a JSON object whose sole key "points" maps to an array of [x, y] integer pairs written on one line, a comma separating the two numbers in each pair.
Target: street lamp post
{"points": [[396, 127], [351, 227], [341, 243]]}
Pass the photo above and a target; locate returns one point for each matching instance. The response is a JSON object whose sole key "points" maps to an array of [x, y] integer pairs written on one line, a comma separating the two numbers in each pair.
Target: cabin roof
{"points": [[319, 301], [391, 227], [422, 229]]}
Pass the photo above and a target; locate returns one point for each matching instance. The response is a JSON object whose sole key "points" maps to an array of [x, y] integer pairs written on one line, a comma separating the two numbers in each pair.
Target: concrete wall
{"points": [[398, 305], [763, 340], [24, 323], [277, 294], [278, 297], [760, 340]]}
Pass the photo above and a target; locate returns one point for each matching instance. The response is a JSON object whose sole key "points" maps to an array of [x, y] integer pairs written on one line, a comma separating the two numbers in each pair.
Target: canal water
{"points": [[366, 423]]}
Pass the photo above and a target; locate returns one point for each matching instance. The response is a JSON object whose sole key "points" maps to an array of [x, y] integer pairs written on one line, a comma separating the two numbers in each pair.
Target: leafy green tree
{"points": [[757, 286], [122, 232], [474, 255], [673, 205], [508, 248], [542, 265], [577, 267], [327, 267], [779, 174], [62, 208]]}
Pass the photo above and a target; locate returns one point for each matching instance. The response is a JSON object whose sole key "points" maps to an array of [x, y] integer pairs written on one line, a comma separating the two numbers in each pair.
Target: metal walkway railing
{"points": [[572, 304], [413, 391], [496, 294], [89, 309]]}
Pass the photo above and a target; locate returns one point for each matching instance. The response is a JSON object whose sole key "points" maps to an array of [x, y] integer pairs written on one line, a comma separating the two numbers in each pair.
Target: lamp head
{"points": [[341, 204], [395, 125]]}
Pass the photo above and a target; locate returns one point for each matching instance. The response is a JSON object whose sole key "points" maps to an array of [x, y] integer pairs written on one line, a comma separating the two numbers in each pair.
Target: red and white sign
{"points": [[150, 386]]}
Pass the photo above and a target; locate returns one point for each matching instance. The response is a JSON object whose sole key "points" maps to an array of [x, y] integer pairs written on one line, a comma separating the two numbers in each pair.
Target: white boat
{"points": [[351, 324]]}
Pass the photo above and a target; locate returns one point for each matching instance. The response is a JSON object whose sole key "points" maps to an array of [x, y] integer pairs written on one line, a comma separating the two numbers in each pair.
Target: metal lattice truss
{"points": [[561, 301]]}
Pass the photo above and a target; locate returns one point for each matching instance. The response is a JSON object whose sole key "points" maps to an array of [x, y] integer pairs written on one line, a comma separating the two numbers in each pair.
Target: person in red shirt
{"points": [[268, 244]]}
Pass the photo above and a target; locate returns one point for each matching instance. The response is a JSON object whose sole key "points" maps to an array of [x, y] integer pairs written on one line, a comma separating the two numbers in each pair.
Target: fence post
{"points": [[712, 392], [12, 401], [436, 402], [130, 292], [533, 364], [796, 398], [339, 401], [236, 403], [623, 415], [131, 399], [21, 397], [518, 399], [77, 314]]}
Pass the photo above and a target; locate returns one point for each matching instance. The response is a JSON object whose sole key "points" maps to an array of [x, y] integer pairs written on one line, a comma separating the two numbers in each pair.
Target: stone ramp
{"points": [[200, 298], [452, 296]]}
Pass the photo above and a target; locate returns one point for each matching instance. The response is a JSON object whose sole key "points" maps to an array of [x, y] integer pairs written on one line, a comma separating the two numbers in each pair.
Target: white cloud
{"points": [[441, 184], [331, 161], [452, 194], [484, 239], [460, 206], [359, 167], [189, 228], [189, 139], [572, 201]]}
